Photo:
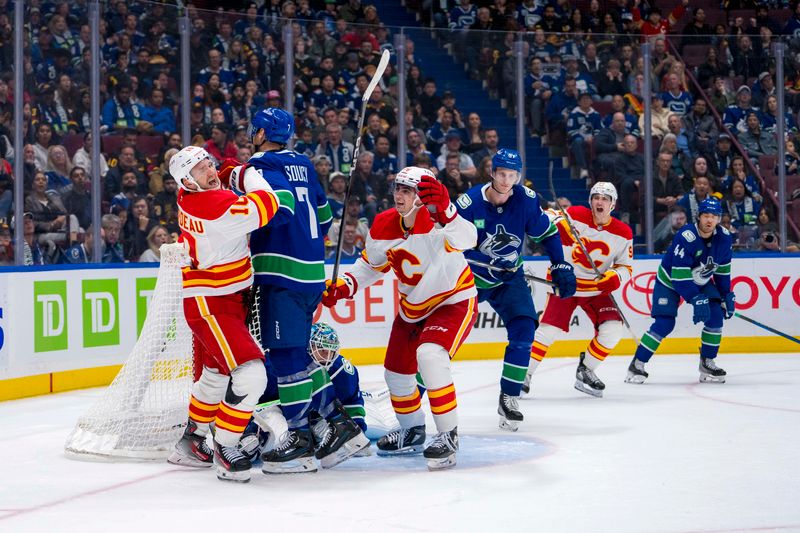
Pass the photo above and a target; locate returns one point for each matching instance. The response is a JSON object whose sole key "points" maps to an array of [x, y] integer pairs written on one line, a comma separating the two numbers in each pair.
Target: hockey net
{"points": [[142, 414]]}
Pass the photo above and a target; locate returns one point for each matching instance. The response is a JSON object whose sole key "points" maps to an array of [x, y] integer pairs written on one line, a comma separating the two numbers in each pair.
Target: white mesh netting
{"points": [[142, 414]]}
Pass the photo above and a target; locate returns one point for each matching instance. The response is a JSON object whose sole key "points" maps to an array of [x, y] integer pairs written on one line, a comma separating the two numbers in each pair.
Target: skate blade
{"points": [[584, 388], [237, 477], [366, 451], [408, 450], [706, 378], [305, 465], [510, 425], [348, 449], [181, 459], [635, 378], [442, 464]]}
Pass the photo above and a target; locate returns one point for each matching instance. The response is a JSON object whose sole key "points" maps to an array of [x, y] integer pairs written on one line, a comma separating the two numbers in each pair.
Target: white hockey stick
{"points": [[364, 99]]}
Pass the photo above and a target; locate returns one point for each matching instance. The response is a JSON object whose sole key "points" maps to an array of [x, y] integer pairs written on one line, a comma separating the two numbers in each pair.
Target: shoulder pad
{"points": [[689, 235]]}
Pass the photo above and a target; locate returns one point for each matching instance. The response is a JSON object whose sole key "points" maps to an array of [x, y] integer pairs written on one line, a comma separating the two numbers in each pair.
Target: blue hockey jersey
{"points": [[691, 262], [344, 376], [501, 229], [290, 251]]}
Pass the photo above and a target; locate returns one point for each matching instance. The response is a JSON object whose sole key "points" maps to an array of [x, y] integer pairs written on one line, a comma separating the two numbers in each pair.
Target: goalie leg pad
{"points": [[434, 366]]}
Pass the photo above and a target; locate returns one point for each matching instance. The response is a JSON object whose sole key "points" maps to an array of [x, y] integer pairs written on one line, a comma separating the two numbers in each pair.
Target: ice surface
{"points": [[672, 455]]}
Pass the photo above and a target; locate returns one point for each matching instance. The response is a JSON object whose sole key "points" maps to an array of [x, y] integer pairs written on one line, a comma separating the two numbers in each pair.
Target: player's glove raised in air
{"points": [[702, 311], [340, 289], [226, 169], [729, 304], [609, 282], [504, 269], [564, 278], [434, 195]]}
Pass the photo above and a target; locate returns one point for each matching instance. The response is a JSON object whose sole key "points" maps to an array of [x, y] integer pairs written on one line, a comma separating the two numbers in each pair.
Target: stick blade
{"points": [[377, 76]]}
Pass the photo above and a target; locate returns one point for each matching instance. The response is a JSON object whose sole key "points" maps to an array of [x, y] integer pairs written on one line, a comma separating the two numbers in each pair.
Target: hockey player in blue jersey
{"points": [[288, 261], [504, 212], [697, 268]]}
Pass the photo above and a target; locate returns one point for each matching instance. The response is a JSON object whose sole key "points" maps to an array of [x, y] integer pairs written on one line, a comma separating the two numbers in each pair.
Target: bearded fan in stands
{"points": [[229, 369], [504, 213], [609, 242], [437, 308]]}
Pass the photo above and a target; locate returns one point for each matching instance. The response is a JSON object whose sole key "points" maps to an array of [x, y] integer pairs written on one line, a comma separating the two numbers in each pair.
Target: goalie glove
{"points": [[702, 311], [434, 195], [341, 289], [609, 282]]}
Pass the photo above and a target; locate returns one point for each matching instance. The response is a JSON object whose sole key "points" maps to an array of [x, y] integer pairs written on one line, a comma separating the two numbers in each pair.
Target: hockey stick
{"points": [[364, 99], [527, 276], [577, 237], [764, 326]]}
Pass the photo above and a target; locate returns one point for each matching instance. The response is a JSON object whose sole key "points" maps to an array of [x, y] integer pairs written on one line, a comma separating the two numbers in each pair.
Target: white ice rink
{"points": [[672, 455]]}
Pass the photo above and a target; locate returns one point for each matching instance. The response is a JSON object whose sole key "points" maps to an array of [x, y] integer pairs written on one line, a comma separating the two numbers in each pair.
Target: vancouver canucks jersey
{"points": [[691, 262], [291, 252], [344, 376], [501, 229]]}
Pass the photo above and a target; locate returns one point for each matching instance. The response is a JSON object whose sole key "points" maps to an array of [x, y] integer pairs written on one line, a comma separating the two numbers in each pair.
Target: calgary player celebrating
{"points": [[610, 244], [437, 308], [215, 224], [503, 213], [697, 268]]}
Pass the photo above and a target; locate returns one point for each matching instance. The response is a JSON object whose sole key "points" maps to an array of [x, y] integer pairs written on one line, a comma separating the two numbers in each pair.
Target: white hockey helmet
{"points": [[606, 189], [182, 163], [412, 176]]}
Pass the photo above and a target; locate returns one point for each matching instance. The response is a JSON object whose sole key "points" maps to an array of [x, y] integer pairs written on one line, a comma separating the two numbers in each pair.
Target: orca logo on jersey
{"points": [[702, 273], [501, 244], [579, 258]]}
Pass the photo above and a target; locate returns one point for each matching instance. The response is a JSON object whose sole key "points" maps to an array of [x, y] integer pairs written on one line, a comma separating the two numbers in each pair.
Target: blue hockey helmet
{"points": [[278, 125], [507, 158], [710, 205], [323, 344]]}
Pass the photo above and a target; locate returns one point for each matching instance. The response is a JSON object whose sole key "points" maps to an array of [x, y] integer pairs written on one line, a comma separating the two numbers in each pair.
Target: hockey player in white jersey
{"points": [[229, 368], [423, 247], [610, 245]]}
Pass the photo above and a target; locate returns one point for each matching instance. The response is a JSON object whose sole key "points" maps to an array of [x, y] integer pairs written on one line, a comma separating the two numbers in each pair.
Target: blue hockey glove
{"points": [[564, 278], [509, 269], [729, 305], [702, 311]]}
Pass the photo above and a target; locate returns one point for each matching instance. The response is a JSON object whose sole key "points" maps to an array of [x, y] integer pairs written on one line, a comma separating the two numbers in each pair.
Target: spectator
{"points": [[350, 249], [414, 146], [373, 129], [537, 93], [659, 117], [384, 163], [582, 126], [559, 107], [6, 246], [127, 163], [627, 172], [791, 160], [676, 100], [669, 226], [679, 160], [769, 118], [83, 157], [690, 201], [81, 252], [58, 168], [165, 204], [675, 126], [763, 89], [473, 133], [721, 157], [619, 105], [491, 140], [484, 167], [368, 185], [226, 77], [667, 187], [112, 249], [699, 167], [755, 141], [340, 153], [137, 227], [29, 165], [742, 208], [656, 25], [33, 252], [735, 118], [337, 185], [430, 101], [220, 147], [747, 62], [700, 128], [610, 143], [697, 31], [352, 216], [157, 236], [738, 171], [49, 214], [161, 116], [438, 133], [322, 164], [456, 181], [612, 82], [44, 136], [120, 112], [77, 200], [584, 82], [711, 70], [453, 147], [49, 111]]}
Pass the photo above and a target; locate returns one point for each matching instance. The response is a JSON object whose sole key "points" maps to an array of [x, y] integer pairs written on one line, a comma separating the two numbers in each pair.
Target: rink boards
{"points": [[64, 328]]}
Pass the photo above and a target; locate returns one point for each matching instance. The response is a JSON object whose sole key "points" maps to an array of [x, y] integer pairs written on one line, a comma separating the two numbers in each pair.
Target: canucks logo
{"points": [[501, 244], [702, 273]]}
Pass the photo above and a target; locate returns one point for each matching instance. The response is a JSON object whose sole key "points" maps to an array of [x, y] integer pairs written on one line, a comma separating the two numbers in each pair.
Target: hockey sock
{"points": [[207, 392], [517, 355], [405, 397], [651, 340], [247, 382], [608, 335], [434, 365], [295, 384], [711, 336], [545, 334], [323, 393]]}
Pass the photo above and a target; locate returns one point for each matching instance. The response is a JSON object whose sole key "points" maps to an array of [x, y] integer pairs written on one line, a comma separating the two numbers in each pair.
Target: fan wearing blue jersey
{"points": [[288, 261], [504, 212], [697, 268]]}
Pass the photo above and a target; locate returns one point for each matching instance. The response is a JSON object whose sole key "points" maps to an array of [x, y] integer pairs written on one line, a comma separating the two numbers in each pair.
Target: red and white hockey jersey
{"points": [[214, 226], [610, 247], [427, 260]]}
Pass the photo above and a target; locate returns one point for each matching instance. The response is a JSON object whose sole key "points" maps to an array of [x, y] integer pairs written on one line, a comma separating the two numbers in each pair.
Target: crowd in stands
{"points": [[583, 93]]}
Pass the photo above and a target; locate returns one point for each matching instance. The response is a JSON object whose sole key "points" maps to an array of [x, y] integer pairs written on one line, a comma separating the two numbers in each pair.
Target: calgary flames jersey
{"points": [[610, 248], [214, 226], [427, 260]]}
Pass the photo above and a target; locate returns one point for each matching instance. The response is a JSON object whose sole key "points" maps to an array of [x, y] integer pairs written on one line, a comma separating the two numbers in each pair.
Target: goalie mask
{"points": [[182, 163], [323, 346]]}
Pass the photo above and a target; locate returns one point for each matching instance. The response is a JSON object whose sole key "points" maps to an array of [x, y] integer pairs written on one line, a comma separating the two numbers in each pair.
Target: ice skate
{"points": [[587, 381], [192, 450], [295, 454], [441, 452], [231, 464], [343, 439], [526, 385], [251, 445], [508, 409], [636, 372], [710, 372], [402, 441]]}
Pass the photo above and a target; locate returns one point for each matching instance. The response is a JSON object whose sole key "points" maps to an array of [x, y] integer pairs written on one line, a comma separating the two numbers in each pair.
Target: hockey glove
{"points": [[505, 269], [564, 278], [225, 170], [434, 195], [343, 288], [609, 282], [729, 305], [702, 311]]}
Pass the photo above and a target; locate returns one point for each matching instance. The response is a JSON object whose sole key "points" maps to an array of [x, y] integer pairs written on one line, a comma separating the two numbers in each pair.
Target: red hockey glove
{"points": [[609, 282], [344, 288], [434, 194], [226, 169]]}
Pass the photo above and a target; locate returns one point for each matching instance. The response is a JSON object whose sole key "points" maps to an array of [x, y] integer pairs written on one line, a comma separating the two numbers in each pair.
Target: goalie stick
{"points": [[527, 276], [364, 99], [577, 237]]}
